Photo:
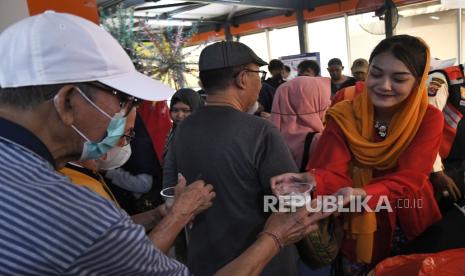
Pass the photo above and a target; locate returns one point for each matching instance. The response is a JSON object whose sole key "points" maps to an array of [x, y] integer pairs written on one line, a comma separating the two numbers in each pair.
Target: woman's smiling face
{"points": [[389, 81]]}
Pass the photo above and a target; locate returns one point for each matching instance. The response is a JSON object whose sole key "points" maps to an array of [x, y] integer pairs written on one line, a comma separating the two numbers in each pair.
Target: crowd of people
{"points": [[81, 175]]}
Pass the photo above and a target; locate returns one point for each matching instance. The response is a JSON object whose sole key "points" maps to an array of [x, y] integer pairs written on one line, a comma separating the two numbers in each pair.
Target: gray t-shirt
{"points": [[238, 154]]}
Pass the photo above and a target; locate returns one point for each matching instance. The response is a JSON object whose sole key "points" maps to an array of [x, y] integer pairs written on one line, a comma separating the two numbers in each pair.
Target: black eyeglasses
{"points": [[261, 72], [128, 137], [126, 102]]}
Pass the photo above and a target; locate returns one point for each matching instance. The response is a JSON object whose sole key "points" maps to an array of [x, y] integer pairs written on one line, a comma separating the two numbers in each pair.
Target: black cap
{"points": [[227, 54]]}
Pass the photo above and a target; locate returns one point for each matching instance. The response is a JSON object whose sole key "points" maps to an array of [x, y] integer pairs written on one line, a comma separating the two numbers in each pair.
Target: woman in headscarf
{"points": [[298, 110], [183, 103], [381, 146]]}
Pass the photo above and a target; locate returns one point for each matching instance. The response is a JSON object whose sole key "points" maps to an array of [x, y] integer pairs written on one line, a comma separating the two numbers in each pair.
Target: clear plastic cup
{"points": [[294, 194], [168, 196]]}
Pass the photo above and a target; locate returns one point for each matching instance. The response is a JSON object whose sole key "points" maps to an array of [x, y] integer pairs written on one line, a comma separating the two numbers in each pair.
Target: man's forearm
{"points": [[149, 219], [164, 234], [253, 260]]}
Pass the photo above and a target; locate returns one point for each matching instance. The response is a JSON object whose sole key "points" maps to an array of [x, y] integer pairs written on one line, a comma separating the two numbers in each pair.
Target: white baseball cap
{"points": [[437, 64], [53, 48]]}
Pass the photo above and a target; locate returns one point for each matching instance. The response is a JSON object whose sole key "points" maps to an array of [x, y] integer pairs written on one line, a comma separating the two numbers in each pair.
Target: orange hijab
{"points": [[355, 118]]}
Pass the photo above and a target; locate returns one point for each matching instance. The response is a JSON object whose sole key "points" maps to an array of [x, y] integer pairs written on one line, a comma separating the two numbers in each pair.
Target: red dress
{"points": [[406, 185]]}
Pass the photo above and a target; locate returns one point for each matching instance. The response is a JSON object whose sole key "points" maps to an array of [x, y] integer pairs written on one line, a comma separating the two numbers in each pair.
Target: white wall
{"points": [[438, 30]]}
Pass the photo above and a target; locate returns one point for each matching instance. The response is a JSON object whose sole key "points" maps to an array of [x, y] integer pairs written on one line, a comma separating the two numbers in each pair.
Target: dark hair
{"points": [[28, 97], [287, 68], [275, 64], [408, 49], [218, 79], [334, 61], [309, 64]]}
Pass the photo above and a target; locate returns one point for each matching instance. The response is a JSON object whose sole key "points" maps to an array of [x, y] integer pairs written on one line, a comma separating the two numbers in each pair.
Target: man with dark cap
{"points": [[235, 151], [276, 68]]}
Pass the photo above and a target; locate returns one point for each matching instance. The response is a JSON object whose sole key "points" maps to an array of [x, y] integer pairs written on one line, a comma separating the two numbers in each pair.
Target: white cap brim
{"points": [[438, 64], [139, 85]]}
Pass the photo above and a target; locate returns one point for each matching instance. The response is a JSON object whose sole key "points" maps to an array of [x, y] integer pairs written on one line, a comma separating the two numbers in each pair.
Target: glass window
{"points": [[434, 24], [361, 41], [256, 42], [284, 42], [329, 39]]}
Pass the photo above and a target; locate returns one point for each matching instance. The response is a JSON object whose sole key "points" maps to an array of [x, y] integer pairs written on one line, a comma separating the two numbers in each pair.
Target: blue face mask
{"points": [[115, 131]]}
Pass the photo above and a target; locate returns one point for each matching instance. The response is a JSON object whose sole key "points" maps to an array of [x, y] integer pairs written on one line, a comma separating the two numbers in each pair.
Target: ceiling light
{"points": [[435, 17]]}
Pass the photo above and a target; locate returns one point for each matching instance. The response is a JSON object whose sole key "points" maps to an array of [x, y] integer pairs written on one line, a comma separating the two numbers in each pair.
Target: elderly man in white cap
{"points": [[66, 90]]}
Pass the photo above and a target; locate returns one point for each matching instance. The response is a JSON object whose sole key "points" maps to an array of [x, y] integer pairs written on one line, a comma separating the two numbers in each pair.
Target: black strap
{"points": [[308, 142]]}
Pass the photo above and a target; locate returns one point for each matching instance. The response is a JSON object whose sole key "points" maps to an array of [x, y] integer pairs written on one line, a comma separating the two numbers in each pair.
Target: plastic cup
{"points": [[294, 194], [168, 196]]}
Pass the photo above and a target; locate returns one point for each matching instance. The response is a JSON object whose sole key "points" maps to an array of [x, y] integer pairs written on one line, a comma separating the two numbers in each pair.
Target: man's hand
{"points": [[193, 199], [444, 186], [265, 115], [188, 201], [292, 227]]}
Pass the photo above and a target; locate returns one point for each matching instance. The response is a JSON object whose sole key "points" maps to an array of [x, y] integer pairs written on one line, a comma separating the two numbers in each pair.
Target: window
{"points": [[329, 39], [362, 42], [284, 42], [256, 42]]}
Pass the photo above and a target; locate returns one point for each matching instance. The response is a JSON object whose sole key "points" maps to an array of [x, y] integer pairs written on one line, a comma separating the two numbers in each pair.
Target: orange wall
{"points": [[320, 13], [82, 8]]}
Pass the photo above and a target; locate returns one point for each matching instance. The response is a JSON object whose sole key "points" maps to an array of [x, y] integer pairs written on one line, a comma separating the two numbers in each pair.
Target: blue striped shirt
{"points": [[49, 226]]}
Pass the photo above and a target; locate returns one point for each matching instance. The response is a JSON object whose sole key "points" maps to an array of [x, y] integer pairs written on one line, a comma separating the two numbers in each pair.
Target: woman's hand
{"points": [[290, 177], [349, 193]]}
